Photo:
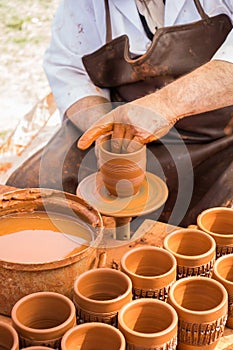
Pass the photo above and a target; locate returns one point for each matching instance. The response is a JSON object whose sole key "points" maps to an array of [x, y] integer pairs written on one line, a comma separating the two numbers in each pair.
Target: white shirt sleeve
{"points": [[74, 34], [225, 52]]}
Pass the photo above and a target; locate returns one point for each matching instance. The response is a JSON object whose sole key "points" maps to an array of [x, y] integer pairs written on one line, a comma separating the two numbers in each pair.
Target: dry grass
{"points": [[24, 35]]}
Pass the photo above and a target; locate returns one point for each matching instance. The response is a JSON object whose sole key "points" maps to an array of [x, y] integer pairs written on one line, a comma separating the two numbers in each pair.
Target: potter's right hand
{"points": [[131, 126]]}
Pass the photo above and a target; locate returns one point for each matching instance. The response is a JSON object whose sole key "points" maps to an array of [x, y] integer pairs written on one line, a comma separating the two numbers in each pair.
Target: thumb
{"points": [[102, 127]]}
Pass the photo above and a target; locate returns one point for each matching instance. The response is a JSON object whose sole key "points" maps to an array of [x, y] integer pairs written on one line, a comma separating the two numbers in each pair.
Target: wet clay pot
{"points": [[148, 324], [223, 272], [99, 294], [218, 222], [194, 250], [152, 271], [122, 173], [57, 274], [41, 319], [8, 337], [93, 335], [201, 305]]}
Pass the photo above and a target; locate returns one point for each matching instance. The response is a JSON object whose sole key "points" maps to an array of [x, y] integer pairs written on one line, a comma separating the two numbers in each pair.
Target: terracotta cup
{"points": [[152, 271], [223, 272], [100, 293], [122, 173], [201, 305], [8, 337], [42, 318], [194, 250], [148, 324], [93, 335], [218, 222]]}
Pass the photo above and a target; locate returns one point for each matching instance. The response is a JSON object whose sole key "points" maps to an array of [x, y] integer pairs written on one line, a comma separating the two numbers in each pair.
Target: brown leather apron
{"points": [[174, 52]]}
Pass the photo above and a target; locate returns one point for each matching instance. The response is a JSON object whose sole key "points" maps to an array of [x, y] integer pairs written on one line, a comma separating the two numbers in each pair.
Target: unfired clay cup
{"points": [[100, 293], [218, 222], [8, 337], [148, 324], [201, 305], [152, 271], [93, 335], [223, 272], [194, 250], [122, 173], [42, 318]]}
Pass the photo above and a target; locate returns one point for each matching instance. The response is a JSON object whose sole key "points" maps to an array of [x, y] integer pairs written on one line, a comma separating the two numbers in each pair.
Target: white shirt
{"points": [[79, 28]]}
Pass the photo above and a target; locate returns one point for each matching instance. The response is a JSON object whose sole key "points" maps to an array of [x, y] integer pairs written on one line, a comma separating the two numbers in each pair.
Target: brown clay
{"points": [[152, 271], [41, 319], [44, 274], [93, 336], [194, 251], [218, 222], [201, 305], [100, 293], [122, 173], [148, 324], [223, 272], [8, 337]]}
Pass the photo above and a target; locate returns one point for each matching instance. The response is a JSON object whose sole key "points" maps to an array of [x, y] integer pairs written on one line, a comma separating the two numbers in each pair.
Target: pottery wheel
{"points": [[152, 195]]}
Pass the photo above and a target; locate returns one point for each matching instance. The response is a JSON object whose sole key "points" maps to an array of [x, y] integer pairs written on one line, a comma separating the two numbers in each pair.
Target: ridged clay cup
{"points": [[218, 222], [194, 250], [201, 305], [8, 337], [42, 318], [100, 293], [148, 324], [223, 272], [152, 271], [93, 335], [122, 173]]}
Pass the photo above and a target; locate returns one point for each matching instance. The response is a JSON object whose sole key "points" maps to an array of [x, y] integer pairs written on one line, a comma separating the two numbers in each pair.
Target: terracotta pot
{"points": [[223, 272], [201, 305], [152, 271], [100, 293], [122, 173], [41, 319], [93, 335], [44, 275], [148, 324], [193, 259], [218, 222], [8, 337]]}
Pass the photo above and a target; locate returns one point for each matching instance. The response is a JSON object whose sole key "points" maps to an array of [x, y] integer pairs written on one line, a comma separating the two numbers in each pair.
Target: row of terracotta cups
{"points": [[105, 295], [151, 272]]}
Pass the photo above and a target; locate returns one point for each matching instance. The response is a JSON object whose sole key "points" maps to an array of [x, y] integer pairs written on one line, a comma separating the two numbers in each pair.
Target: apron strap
{"points": [[200, 10], [108, 22]]}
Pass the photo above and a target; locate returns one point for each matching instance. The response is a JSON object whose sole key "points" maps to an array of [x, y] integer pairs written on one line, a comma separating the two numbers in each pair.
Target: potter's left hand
{"points": [[131, 125]]}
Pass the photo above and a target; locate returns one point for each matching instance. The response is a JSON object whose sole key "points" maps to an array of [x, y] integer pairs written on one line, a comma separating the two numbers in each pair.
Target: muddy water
{"points": [[39, 237]]}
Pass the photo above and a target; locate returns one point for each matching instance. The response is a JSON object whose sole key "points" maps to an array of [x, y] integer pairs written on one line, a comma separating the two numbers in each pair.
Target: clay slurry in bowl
{"points": [[40, 237]]}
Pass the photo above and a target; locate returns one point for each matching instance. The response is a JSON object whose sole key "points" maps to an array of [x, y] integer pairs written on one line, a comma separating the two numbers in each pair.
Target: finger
{"points": [[117, 137], [138, 142], [92, 134], [129, 134]]}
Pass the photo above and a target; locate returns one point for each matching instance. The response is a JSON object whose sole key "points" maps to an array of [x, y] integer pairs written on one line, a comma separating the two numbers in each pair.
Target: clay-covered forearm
{"points": [[86, 111], [206, 88]]}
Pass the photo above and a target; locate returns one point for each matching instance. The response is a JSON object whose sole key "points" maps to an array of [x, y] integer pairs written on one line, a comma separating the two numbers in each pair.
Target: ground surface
{"points": [[24, 35]]}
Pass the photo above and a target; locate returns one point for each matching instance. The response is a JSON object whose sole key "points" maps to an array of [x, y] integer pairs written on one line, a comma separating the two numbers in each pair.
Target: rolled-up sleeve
{"points": [[225, 52], [74, 34]]}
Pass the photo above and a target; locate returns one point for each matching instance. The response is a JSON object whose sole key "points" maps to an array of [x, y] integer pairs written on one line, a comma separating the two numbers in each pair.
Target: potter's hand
{"points": [[131, 126]]}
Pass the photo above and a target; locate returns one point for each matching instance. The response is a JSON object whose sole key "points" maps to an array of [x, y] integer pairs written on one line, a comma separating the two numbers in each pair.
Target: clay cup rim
{"points": [[218, 264], [13, 333], [53, 331]]}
